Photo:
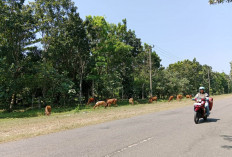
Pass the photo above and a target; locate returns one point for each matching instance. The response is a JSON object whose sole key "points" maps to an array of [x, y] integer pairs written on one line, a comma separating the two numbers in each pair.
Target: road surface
{"points": [[170, 133]]}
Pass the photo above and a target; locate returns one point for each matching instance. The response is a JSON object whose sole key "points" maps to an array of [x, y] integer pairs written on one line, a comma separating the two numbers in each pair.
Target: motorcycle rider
{"points": [[203, 95]]}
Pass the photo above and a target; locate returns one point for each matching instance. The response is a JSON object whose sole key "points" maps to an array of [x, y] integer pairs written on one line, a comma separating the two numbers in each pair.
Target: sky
{"points": [[180, 29]]}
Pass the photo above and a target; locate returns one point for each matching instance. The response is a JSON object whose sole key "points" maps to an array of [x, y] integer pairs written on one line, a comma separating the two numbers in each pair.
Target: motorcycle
{"points": [[200, 110]]}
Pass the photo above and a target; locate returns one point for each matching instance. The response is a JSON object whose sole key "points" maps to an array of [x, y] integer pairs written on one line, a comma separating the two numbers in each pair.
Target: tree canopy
{"points": [[219, 1], [49, 55]]}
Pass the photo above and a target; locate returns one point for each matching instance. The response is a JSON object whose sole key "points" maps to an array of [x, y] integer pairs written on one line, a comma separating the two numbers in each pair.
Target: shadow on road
{"points": [[209, 120], [227, 138], [227, 147]]}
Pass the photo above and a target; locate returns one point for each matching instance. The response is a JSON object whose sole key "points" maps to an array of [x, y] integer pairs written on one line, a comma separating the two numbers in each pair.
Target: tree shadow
{"points": [[23, 113], [227, 138], [30, 112], [227, 147]]}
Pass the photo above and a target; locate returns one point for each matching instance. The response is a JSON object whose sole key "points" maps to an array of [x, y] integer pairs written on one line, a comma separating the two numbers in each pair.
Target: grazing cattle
{"points": [[179, 97], [170, 98], [48, 110], [188, 96], [90, 101], [151, 99], [131, 101], [100, 103], [111, 101]]}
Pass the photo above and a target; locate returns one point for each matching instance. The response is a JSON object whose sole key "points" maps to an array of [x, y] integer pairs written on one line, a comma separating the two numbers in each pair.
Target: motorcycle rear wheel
{"points": [[196, 117]]}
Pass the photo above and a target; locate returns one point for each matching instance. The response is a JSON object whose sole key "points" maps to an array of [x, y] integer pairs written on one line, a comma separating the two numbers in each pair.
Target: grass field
{"points": [[29, 123]]}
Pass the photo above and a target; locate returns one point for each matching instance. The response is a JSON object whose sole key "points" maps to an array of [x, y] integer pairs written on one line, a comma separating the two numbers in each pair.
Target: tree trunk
{"points": [[32, 100], [80, 92], [93, 89], [64, 100], [143, 91], [12, 102], [122, 93], [39, 102], [43, 98], [82, 69]]}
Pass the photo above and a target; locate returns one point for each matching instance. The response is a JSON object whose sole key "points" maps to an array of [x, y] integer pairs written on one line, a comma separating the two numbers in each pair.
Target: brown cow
{"points": [[100, 103], [170, 98], [189, 96], [151, 99], [179, 97], [48, 110], [90, 101], [131, 101], [111, 101]]}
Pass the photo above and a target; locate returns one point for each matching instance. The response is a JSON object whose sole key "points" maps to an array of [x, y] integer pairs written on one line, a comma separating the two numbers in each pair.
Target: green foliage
{"points": [[219, 1], [50, 56], [187, 76]]}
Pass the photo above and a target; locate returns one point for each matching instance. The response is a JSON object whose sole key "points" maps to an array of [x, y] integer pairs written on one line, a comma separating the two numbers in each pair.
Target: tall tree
{"points": [[64, 38], [17, 34]]}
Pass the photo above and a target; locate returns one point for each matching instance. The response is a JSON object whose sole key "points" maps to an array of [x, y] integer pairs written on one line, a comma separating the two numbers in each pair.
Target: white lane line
{"points": [[130, 146]]}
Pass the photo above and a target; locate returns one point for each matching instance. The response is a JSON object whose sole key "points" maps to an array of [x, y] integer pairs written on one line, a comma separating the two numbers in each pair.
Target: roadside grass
{"points": [[29, 112], [28, 123], [35, 112]]}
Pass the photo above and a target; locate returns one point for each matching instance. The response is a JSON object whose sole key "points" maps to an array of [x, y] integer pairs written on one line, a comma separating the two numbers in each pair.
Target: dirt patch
{"points": [[20, 128]]}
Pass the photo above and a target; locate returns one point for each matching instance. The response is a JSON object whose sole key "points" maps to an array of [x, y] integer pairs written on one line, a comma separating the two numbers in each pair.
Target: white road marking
{"points": [[130, 146]]}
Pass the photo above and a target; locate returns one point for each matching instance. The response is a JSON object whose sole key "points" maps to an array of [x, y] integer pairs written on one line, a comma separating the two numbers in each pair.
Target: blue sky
{"points": [[180, 29]]}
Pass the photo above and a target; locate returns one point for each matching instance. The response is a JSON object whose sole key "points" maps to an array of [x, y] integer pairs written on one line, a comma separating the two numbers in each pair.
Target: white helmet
{"points": [[202, 88]]}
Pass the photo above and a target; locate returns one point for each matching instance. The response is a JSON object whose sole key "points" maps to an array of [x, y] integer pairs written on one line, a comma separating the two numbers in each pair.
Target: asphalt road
{"points": [[170, 133]]}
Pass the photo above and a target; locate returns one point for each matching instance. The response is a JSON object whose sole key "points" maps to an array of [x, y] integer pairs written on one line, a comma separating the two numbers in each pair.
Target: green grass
{"points": [[29, 112]]}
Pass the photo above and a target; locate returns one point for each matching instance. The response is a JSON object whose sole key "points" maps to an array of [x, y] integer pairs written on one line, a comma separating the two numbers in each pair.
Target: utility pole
{"points": [[209, 81], [150, 51], [230, 79], [228, 86]]}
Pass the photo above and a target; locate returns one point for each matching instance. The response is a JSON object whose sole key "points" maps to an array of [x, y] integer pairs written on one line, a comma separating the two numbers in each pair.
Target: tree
{"points": [[64, 39], [82, 57], [191, 70], [97, 30], [219, 1], [17, 36], [113, 51]]}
